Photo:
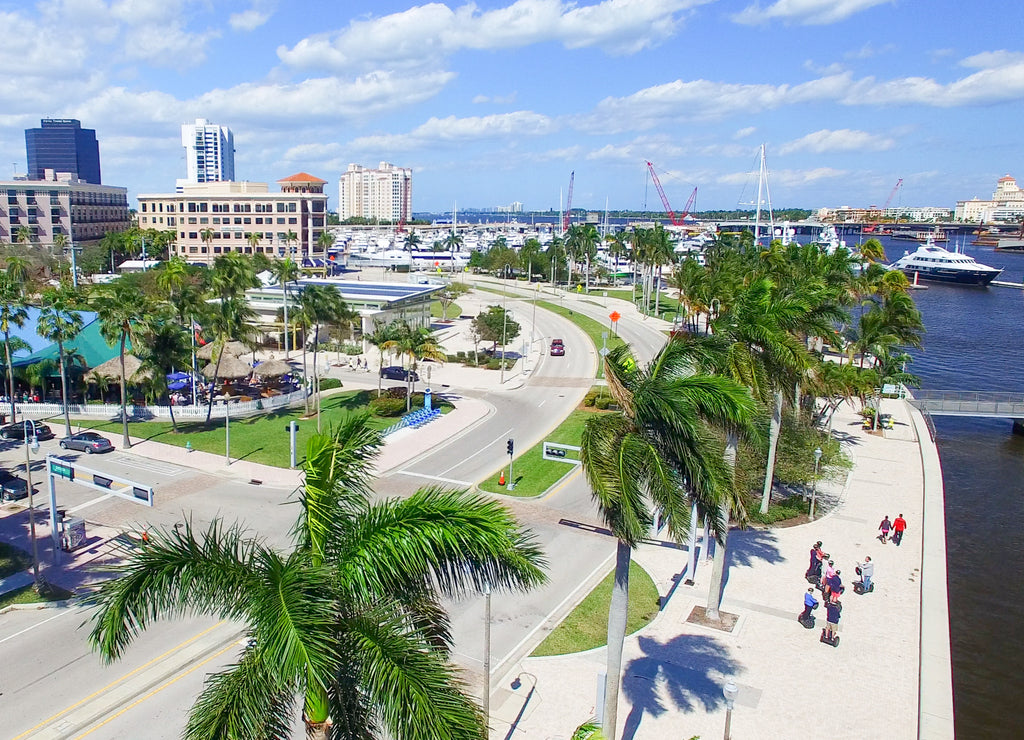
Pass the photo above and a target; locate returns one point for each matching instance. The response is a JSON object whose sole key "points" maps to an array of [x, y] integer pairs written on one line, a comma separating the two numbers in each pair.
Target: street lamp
{"points": [[34, 444], [814, 483], [729, 691], [487, 653]]}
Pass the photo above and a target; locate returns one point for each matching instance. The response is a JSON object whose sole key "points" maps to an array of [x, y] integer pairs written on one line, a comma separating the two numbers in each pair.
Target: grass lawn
{"points": [[27, 595], [533, 473], [437, 310], [260, 439], [12, 560], [586, 627]]}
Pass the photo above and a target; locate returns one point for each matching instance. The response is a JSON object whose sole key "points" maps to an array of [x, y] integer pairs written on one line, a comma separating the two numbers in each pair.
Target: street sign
{"points": [[62, 469], [559, 452], [604, 351], [614, 316]]}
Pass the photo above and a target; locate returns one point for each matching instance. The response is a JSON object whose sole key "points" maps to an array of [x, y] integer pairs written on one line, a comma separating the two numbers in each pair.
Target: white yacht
{"points": [[932, 262]]}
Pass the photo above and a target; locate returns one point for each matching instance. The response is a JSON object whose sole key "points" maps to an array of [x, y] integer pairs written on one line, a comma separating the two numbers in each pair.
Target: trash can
{"points": [[72, 534]]}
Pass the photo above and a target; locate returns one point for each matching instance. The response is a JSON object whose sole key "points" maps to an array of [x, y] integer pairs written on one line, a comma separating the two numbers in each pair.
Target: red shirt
{"points": [[899, 524]]}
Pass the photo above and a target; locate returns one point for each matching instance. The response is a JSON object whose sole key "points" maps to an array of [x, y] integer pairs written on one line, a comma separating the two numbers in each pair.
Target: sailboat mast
{"points": [[760, 187]]}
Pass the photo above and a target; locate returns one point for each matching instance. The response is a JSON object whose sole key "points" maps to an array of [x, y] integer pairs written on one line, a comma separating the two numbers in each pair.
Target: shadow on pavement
{"points": [[686, 667]]}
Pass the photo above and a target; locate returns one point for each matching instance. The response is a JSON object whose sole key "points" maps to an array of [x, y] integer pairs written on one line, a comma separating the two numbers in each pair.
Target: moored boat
{"points": [[932, 262]]}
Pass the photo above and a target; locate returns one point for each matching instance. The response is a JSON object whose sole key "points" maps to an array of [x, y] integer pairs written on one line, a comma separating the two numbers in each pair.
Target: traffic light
{"points": [[509, 445]]}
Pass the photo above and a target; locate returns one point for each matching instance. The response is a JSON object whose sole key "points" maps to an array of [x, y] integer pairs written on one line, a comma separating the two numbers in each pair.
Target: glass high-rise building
{"points": [[62, 145]]}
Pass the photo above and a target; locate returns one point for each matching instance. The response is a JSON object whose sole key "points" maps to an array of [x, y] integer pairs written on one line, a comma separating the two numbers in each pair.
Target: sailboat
{"points": [[762, 187]]}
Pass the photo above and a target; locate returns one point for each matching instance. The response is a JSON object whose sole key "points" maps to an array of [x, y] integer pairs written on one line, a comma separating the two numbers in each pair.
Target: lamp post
{"points": [[729, 691], [814, 483], [34, 444], [487, 654]]}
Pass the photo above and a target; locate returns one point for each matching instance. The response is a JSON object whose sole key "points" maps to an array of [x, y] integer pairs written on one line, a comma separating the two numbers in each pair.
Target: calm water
{"points": [[974, 342]]}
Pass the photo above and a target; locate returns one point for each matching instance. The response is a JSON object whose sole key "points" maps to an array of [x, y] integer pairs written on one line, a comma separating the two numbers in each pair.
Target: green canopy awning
{"points": [[89, 344]]}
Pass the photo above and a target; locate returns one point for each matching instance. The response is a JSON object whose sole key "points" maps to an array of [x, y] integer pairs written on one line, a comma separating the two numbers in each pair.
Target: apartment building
{"points": [[59, 203], [215, 218], [383, 194], [209, 152]]}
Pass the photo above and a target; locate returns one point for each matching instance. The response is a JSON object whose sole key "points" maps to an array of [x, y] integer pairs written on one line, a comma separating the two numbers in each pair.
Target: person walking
{"points": [[899, 526], [810, 604], [884, 528], [833, 610]]}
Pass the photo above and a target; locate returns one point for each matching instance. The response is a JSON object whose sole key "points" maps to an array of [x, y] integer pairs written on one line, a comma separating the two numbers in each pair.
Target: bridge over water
{"points": [[971, 403]]}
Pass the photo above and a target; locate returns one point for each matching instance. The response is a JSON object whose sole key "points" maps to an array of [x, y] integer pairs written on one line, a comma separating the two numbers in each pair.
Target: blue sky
{"points": [[497, 101]]}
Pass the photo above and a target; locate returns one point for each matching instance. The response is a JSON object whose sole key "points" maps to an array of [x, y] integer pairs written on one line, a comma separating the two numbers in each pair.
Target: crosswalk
{"points": [[165, 469]]}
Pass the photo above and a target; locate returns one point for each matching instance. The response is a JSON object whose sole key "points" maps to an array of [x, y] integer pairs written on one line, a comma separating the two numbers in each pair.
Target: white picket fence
{"points": [[238, 409]]}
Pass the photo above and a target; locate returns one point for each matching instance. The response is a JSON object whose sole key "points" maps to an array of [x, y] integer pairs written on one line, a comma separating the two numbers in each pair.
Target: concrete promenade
{"points": [[790, 684]]}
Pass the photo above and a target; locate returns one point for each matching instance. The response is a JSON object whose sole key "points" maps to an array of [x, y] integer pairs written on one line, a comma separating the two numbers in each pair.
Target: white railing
{"points": [[113, 410]]}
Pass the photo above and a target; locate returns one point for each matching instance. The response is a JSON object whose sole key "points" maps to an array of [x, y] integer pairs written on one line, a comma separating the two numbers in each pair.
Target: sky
{"points": [[499, 101]]}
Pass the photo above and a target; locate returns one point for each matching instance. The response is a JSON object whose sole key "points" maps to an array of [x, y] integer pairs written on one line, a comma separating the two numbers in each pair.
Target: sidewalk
{"points": [[789, 682]]}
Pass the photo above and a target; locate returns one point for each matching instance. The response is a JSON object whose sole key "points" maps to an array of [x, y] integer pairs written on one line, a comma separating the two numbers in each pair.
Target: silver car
{"points": [[87, 442]]}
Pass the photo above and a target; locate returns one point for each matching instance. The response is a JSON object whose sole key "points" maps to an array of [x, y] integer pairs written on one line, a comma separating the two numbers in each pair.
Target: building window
{"points": [[193, 235], [292, 220]]}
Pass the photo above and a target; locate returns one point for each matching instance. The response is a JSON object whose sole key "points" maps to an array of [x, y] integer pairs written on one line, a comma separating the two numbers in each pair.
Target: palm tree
{"points": [[289, 241], [166, 348], [324, 242], [24, 234], [59, 244], [349, 620], [207, 236], [416, 344], [172, 276], [319, 305], [59, 322], [412, 240], [13, 312], [124, 314], [285, 271], [253, 239], [381, 337], [654, 458]]}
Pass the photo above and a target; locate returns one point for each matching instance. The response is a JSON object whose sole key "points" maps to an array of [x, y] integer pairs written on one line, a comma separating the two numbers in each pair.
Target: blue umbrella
{"points": [[178, 376], [178, 385]]}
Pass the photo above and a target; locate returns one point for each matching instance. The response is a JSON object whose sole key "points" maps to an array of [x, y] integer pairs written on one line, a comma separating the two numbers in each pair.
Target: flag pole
{"points": [[192, 334]]}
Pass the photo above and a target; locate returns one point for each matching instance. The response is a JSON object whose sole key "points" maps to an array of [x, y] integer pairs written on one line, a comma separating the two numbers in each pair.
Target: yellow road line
{"points": [[157, 690], [569, 478], [112, 684]]}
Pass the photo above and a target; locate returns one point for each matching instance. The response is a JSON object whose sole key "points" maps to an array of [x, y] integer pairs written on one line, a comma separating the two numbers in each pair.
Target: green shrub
{"points": [[387, 407], [396, 391], [788, 508], [460, 355], [327, 384], [602, 402], [588, 400], [494, 364], [455, 357]]}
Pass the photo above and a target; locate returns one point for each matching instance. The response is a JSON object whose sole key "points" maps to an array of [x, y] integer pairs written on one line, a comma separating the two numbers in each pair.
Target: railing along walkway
{"points": [[238, 409], [970, 403]]}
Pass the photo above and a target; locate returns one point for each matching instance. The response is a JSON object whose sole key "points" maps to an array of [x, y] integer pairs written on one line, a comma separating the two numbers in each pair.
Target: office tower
{"points": [[209, 152], [62, 145], [384, 193]]}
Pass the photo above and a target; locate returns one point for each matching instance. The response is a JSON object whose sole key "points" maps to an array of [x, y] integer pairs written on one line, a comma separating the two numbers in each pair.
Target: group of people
{"points": [[897, 527], [825, 576]]}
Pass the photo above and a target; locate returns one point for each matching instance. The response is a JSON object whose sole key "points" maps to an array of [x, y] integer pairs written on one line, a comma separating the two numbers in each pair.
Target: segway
{"points": [[858, 586], [807, 623], [833, 641]]}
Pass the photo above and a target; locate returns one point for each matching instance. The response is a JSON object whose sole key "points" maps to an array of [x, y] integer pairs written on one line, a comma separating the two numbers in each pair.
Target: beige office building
{"points": [[241, 217], [383, 194], [61, 204]]}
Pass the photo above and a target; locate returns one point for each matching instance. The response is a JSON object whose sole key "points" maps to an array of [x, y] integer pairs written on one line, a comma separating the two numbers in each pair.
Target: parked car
{"points": [[17, 430], [88, 442], [557, 348], [395, 372], [14, 488]]}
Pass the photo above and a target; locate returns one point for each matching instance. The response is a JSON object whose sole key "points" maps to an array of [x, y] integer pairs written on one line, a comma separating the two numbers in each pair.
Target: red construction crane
{"points": [[568, 203], [676, 220], [874, 228]]}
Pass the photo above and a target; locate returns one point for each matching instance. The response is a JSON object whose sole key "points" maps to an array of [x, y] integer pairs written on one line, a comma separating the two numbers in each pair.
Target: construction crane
{"points": [[874, 228], [568, 203], [676, 220]]}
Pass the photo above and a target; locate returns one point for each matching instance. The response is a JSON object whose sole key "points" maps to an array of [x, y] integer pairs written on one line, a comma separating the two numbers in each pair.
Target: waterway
{"points": [[974, 342]]}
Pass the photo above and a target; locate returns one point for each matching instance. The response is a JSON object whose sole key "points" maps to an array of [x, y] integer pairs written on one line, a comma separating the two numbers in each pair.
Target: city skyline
{"points": [[497, 102]]}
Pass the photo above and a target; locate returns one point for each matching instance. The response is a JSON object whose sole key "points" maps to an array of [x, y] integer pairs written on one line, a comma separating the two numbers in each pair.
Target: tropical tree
{"points": [[530, 254], [349, 620], [24, 234], [59, 322], [172, 277], [416, 344], [653, 459], [285, 271], [411, 241], [13, 312], [124, 314], [581, 243], [166, 349], [290, 238], [253, 239], [380, 337], [320, 305], [207, 236], [324, 242]]}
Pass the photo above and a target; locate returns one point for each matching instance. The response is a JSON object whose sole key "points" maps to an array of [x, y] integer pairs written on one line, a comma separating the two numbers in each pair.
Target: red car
{"points": [[557, 348]]}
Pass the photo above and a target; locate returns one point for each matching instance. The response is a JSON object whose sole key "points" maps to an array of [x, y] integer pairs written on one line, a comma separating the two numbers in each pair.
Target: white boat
{"points": [[932, 262], [828, 239]]}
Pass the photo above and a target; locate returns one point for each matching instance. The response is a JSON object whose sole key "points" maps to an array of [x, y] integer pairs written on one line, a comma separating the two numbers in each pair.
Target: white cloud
{"points": [[785, 178], [425, 34], [869, 51], [248, 20], [745, 132], [451, 130], [990, 59], [495, 99], [805, 12], [842, 140]]}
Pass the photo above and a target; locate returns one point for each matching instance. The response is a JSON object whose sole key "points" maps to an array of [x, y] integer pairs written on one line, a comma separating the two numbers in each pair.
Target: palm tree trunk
{"points": [[721, 547], [64, 389], [126, 441], [657, 293], [305, 372], [10, 371], [773, 444], [691, 549], [617, 612]]}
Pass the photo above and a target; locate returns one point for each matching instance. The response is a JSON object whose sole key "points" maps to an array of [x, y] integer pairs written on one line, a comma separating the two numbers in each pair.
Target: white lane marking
{"points": [[542, 403], [150, 465], [435, 477], [40, 624], [90, 503], [496, 439]]}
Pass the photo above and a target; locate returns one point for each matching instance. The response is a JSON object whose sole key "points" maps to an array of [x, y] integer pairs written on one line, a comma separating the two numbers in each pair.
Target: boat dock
{"points": [[1006, 284]]}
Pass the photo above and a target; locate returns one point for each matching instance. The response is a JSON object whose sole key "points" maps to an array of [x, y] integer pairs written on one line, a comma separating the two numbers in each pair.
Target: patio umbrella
{"points": [[233, 348], [178, 376], [177, 385], [272, 368], [112, 368], [231, 368]]}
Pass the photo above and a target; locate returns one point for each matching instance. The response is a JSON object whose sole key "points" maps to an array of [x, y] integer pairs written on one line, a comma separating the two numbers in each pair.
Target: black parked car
{"points": [[88, 442], [17, 430], [394, 372], [13, 488]]}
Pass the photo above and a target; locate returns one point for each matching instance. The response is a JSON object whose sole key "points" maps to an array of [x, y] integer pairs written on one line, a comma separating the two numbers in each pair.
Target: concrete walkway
{"points": [[790, 684]]}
